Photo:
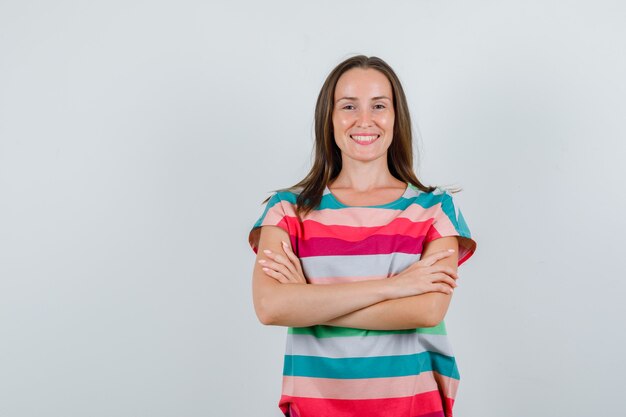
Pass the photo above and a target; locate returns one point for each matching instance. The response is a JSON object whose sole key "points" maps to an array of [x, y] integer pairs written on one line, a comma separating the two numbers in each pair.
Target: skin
{"points": [[419, 296], [364, 104]]}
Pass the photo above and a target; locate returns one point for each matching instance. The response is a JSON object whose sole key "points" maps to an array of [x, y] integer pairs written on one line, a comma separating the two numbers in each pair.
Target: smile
{"points": [[364, 140]]}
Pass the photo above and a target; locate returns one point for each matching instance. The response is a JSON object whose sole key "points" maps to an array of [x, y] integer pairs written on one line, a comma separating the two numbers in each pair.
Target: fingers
{"points": [[277, 267], [442, 268], [436, 268], [446, 289], [443, 278], [280, 259], [276, 275], [292, 256], [288, 265], [432, 258]]}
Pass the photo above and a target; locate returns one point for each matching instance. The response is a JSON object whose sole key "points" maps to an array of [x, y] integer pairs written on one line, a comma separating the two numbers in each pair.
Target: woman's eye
{"points": [[379, 106], [348, 107]]}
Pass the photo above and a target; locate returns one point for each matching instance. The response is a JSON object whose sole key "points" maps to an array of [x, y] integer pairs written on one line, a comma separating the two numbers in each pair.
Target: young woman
{"points": [[359, 260]]}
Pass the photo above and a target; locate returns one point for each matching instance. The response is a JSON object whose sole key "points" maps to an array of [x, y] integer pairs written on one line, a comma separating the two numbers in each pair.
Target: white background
{"points": [[138, 138]]}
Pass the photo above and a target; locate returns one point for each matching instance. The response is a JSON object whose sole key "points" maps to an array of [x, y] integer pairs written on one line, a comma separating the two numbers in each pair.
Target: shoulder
{"points": [[280, 210], [438, 196], [278, 196], [284, 196], [281, 202]]}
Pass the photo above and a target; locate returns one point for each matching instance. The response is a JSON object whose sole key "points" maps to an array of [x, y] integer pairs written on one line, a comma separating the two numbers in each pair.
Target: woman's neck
{"points": [[366, 176]]}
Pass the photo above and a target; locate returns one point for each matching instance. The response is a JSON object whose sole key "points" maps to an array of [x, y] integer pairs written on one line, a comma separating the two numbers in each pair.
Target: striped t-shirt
{"points": [[337, 371]]}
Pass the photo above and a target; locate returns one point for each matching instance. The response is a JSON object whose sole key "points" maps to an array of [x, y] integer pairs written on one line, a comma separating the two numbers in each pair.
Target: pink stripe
{"points": [[363, 217], [276, 213], [467, 246], [369, 388], [445, 227], [427, 404], [372, 245], [399, 226], [448, 386], [284, 214]]}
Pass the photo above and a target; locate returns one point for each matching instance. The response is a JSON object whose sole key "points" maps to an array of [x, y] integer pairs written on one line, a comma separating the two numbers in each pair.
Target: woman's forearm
{"points": [[424, 310], [301, 305], [282, 297]]}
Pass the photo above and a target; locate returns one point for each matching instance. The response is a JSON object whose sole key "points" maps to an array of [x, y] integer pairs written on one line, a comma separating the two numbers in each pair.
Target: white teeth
{"points": [[364, 138]]}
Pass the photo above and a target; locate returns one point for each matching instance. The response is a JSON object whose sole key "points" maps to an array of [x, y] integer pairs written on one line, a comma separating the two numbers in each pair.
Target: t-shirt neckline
{"points": [[399, 199]]}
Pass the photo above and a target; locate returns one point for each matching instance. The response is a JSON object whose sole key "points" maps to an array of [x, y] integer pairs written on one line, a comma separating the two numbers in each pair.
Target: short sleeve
{"points": [[449, 221], [276, 213]]}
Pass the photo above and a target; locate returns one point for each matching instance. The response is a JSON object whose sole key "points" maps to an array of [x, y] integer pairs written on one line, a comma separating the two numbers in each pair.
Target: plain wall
{"points": [[138, 139]]}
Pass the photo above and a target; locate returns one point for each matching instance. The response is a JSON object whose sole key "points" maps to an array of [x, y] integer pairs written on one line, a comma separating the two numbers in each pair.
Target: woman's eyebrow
{"points": [[356, 98]]}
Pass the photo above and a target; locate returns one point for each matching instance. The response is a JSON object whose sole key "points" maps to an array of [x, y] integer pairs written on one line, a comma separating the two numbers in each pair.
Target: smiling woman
{"points": [[359, 260], [363, 114]]}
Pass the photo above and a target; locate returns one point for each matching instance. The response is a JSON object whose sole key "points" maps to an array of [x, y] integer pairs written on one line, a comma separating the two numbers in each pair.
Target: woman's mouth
{"points": [[364, 139]]}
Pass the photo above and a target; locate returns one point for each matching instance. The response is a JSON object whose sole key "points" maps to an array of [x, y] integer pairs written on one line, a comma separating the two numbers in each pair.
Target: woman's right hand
{"points": [[422, 277], [284, 269]]}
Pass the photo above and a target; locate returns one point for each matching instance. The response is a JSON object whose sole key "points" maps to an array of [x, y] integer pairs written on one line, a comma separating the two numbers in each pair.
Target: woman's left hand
{"points": [[285, 268]]}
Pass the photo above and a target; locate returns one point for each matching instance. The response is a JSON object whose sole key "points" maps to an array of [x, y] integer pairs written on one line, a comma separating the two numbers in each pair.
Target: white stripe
{"points": [[367, 346], [387, 264]]}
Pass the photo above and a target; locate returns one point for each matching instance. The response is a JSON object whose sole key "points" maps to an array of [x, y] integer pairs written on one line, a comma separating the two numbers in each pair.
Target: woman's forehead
{"points": [[362, 83]]}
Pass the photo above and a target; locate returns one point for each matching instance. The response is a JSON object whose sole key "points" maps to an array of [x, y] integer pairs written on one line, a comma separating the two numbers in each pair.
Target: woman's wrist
{"points": [[390, 290]]}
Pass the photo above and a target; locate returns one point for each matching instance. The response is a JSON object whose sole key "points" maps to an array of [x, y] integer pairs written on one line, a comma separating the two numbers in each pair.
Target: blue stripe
{"points": [[462, 227], [426, 200], [377, 367], [447, 205]]}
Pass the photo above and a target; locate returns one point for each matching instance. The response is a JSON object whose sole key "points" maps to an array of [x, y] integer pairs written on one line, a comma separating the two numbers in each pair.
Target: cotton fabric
{"points": [[333, 371]]}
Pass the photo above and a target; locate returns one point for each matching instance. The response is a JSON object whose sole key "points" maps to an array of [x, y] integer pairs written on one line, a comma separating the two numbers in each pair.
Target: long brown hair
{"points": [[327, 156]]}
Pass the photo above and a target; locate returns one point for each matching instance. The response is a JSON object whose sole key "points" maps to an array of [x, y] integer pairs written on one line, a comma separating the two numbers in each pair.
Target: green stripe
{"points": [[322, 331], [378, 367]]}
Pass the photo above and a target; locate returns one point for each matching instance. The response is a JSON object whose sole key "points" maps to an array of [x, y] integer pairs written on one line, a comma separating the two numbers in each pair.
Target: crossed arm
{"points": [[384, 304]]}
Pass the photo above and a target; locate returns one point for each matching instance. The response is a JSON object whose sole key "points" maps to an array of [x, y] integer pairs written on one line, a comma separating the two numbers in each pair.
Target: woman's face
{"points": [[363, 114]]}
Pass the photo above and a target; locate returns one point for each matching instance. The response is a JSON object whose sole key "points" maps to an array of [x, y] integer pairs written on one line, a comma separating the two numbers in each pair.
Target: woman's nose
{"points": [[364, 118]]}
